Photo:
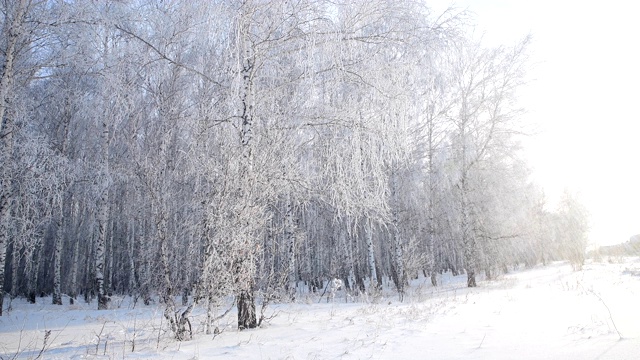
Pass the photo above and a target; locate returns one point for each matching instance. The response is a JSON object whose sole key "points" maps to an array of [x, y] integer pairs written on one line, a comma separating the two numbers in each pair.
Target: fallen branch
{"points": [[609, 311], [482, 342]]}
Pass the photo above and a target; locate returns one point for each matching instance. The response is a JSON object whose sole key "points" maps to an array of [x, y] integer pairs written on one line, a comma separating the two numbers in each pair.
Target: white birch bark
{"points": [[245, 267], [468, 241], [102, 217], [290, 240], [62, 222], [397, 240], [57, 259], [14, 33], [433, 250], [368, 231], [4, 228], [468, 238]]}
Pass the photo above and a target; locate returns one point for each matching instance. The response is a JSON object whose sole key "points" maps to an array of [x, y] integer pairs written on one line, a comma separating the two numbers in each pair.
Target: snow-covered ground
{"points": [[543, 313]]}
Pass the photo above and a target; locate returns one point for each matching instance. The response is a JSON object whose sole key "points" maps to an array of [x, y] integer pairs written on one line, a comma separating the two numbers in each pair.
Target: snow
{"points": [[547, 312]]}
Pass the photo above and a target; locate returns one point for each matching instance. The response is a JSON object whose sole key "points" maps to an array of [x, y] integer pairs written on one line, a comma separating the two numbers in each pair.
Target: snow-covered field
{"points": [[543, 313]]}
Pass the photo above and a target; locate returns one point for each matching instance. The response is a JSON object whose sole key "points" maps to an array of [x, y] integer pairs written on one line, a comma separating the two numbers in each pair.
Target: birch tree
{"points": [[20, 40], [485, 83], [14, 37]]}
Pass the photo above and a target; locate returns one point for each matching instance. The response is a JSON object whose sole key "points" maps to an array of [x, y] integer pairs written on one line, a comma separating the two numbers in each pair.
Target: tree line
{"points": [[208, 149]]}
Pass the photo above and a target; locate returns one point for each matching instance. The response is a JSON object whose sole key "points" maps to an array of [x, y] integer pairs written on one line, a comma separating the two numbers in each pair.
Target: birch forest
{"points": [[240, 153]]}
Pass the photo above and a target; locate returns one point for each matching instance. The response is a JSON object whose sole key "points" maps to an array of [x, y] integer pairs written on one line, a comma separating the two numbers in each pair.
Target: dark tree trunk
{"points": [[246, 311], [73, 293], [471, 278]]}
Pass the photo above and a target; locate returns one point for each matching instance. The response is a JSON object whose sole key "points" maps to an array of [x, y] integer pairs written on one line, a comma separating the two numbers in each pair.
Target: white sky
{"points": [[584, 96]]}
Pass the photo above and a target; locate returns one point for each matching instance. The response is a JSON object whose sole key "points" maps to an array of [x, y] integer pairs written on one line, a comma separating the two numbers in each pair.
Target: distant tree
{"points": [[572, 228]]}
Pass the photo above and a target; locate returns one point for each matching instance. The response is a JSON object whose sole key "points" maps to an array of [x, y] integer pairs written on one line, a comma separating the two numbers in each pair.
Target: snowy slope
{"points": [[543, 313]]}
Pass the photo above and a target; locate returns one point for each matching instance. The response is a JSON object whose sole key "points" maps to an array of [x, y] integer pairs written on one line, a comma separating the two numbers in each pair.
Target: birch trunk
{"points": [[34, 269], [245, 269], [15, 263], [109, 262], [133, 287], [348, 257], [73, 286], [210, 309], [144, 275], [468, 238], [371, 255], [246, 310], [290, 240], [88, 279], [433, 251], [397, 240], [6, 200], [14, 33], [57, 255], [102, 219], [62, 222], [167, 288], [167, 294], [4, 239]]}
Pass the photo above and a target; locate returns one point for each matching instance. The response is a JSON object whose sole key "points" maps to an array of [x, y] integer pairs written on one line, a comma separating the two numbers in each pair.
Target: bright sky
{"points": [[585, 98]]}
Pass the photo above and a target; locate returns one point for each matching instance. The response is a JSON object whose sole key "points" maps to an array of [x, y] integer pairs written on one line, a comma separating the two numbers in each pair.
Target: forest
{"points": [[192, 152]]}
